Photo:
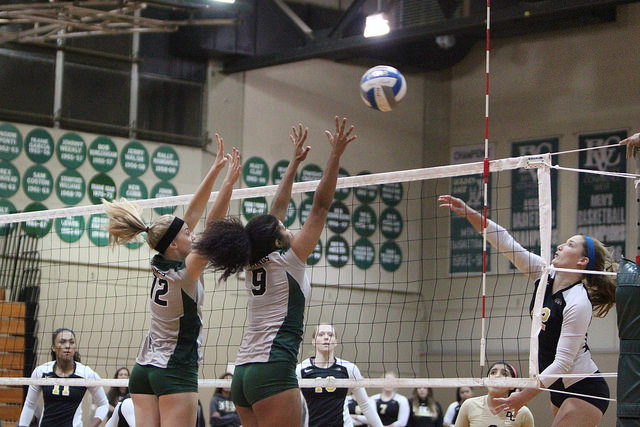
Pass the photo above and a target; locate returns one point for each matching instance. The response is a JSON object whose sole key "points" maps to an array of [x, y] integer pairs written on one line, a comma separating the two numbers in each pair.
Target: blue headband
{"points": [[591, 253]]}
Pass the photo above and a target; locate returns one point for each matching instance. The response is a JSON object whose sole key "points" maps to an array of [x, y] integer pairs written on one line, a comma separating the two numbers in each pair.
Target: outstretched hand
{"points": [[631, 142], [298, 138], [340, 139], [235, 166], [221, 159], [514, 402], [456, 205]]}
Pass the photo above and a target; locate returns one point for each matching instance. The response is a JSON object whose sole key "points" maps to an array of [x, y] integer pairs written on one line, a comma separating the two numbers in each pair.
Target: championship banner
{"points": [[525, 221], [602, 199]]}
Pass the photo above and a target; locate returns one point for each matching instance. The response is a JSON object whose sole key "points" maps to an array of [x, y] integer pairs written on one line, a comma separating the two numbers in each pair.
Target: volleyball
{"points": [[382, 87]]}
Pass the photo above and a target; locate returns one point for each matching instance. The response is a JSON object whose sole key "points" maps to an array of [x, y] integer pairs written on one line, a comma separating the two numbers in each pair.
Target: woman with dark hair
{"points": [[222, 411], [484, 411], [118, 394], [164, 380], [63, 403], [462, 394], [570, 299], [264, 387], [425, 410]]}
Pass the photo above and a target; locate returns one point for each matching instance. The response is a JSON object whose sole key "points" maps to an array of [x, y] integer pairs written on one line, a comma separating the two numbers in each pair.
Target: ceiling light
{"points": [[225, 1], [376, 25]]}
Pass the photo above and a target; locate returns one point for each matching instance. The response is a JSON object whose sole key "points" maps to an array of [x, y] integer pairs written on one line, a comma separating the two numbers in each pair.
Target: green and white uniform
{"points": [[175, 332], [278, 289]]}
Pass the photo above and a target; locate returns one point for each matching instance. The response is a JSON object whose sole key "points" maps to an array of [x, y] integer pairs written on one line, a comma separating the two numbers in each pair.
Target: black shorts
{"points": [[591, 386]]}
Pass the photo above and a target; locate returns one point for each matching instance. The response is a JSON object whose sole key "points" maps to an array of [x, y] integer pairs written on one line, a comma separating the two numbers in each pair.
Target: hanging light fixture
{"points": [[376, 24]]}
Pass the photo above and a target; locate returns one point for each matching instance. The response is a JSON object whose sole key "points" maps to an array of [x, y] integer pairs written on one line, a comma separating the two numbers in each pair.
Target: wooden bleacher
{"points": [[12, 352]]}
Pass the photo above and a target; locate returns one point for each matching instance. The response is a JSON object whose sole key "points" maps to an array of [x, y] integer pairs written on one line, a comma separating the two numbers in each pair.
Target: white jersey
{"points": [[452, 413], [123, 415], [475, 412], [278, 289], [62, 403], [175, 332], [562, 342]]}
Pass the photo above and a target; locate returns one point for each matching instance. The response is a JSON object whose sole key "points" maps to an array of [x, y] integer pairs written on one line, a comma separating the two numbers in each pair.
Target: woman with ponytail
{"points": [[570, 300], [164, 381], [264, 387]]}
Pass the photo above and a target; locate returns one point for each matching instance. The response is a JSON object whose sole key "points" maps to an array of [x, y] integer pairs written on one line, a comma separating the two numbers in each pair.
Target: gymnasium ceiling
{"points": [[250, 34]]}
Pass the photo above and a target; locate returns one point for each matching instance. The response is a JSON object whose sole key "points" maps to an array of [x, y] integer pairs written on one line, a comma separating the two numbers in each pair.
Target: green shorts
{"points": [[149, 379], [255, 381]]}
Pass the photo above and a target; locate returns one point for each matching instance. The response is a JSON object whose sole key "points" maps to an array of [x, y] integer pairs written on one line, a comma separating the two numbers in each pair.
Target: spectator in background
{"points": [[425, 410], [462, 394], [392, 407], [222, 411], [116, 395]]}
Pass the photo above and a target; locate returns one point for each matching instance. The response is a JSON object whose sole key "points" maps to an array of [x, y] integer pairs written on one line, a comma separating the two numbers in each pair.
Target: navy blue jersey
{"points": [[395, 409], [562, 341], [326, 406], [62, 403]]}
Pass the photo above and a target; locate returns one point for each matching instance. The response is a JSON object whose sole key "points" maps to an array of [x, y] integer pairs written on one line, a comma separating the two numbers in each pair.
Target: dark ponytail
{"points": [[263, 233], [230, 247], [225, 243]]}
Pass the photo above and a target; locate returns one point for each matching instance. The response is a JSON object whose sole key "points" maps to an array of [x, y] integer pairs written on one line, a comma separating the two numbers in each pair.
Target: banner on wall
{"points": [[602, 199], [465, 252], [525, 220], [45, 176]]}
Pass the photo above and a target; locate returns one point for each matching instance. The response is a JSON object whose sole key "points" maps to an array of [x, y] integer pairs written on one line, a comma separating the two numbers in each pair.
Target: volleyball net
{"points": [[398, 277]]}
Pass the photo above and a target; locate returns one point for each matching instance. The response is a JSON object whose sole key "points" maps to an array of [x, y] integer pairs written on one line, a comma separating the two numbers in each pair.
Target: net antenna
{"points": [[636, 183], [483, 340]]}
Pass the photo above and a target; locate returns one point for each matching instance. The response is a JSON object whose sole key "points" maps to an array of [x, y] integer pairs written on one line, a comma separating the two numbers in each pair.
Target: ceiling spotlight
{"points": [[446, 42], [376, 25]]}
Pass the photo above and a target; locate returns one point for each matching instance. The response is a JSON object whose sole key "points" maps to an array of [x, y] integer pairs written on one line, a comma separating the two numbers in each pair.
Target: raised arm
{"points": [[200, 198], [459, 207], [283, 193], [525, 261], [195, 262], [306, 239], [221, 203]]}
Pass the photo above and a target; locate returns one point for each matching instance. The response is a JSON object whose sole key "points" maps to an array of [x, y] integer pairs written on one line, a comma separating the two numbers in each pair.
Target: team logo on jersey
{"points": [[510, 415], [545, 316]]}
